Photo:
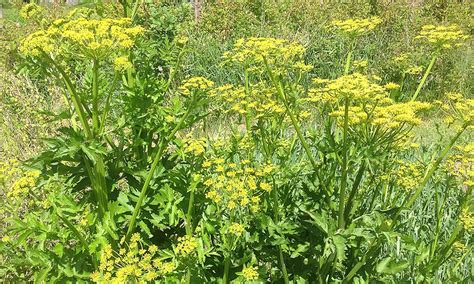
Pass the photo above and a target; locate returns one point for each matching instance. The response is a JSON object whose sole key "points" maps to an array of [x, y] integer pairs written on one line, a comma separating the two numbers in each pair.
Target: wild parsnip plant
{"points": [[272, 175]]}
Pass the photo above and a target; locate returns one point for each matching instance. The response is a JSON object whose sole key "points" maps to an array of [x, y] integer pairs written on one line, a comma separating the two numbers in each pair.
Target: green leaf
{"points": [[59, 249], [386, 266], [145, 228], [40, 276], [340, 245]]}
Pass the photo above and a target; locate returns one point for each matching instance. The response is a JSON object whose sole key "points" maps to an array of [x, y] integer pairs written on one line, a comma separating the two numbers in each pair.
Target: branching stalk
{"points": [[162, 146], [342, 190], [425, 76], [95, 97], [294, 122], [74, 96], [373, 247]]}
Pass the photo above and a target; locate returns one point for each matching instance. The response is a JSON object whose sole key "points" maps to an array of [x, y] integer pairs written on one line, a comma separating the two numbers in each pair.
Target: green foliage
{"points": [[173, 151]]}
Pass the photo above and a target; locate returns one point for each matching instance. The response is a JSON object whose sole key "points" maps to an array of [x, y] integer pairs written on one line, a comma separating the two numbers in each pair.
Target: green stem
{"points": [[188, 276], [96, 187], [342, 191], [248, 117], [76, 232], [174, 69], [439, 218], [425, 76], [276, 209], [150, 174], [434, 166], [348, 62], [283, 266], [225, 278], [189, 226], [355, 186], [74, 96], [107, 104], [135, 9], [95, 96], [372, 248], [402, 84], [461, 259], [281, 94], [276, 213]]}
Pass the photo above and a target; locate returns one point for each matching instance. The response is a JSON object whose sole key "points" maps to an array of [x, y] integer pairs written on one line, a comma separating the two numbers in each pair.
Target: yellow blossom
{"points": [[236, 229], [250, 273], [195, 84], [31, 10], [122, 64], [83, 37], [356, 27], [265, 186], [443, 37], [467, 219], [186, 246]]}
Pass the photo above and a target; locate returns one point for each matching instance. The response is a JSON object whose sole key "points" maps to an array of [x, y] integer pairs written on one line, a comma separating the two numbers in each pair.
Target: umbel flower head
{"points": [[461, 164], [261, 100], [356, 86], [31, 10], [370, 102], [442, 37], [186, 246], [83, 37], [467, 219], [280, 54], [356, 27], [236, 187], [195, 84], [458, 109], [249, 273], [132, 262]]}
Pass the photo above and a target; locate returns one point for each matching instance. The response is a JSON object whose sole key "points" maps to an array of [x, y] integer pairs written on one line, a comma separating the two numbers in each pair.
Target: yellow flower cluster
{"points": [[402, 62], [31, 10], [260, 100], [370, 103], [131, 264], [391, 86], [408, 175], [398, 114], [8, 170], [250, 273], [17, 181], [461, 164], [280, 54], [90, 38], [459, 247], [457, 109], [356, 27], [360, 64], [467, 219], [444, 37], [195, 84], [356, 86], [122, 64], [186, 246], [24, 184], [17, 184], [236, 229], [195, 147], [235, 186]]}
